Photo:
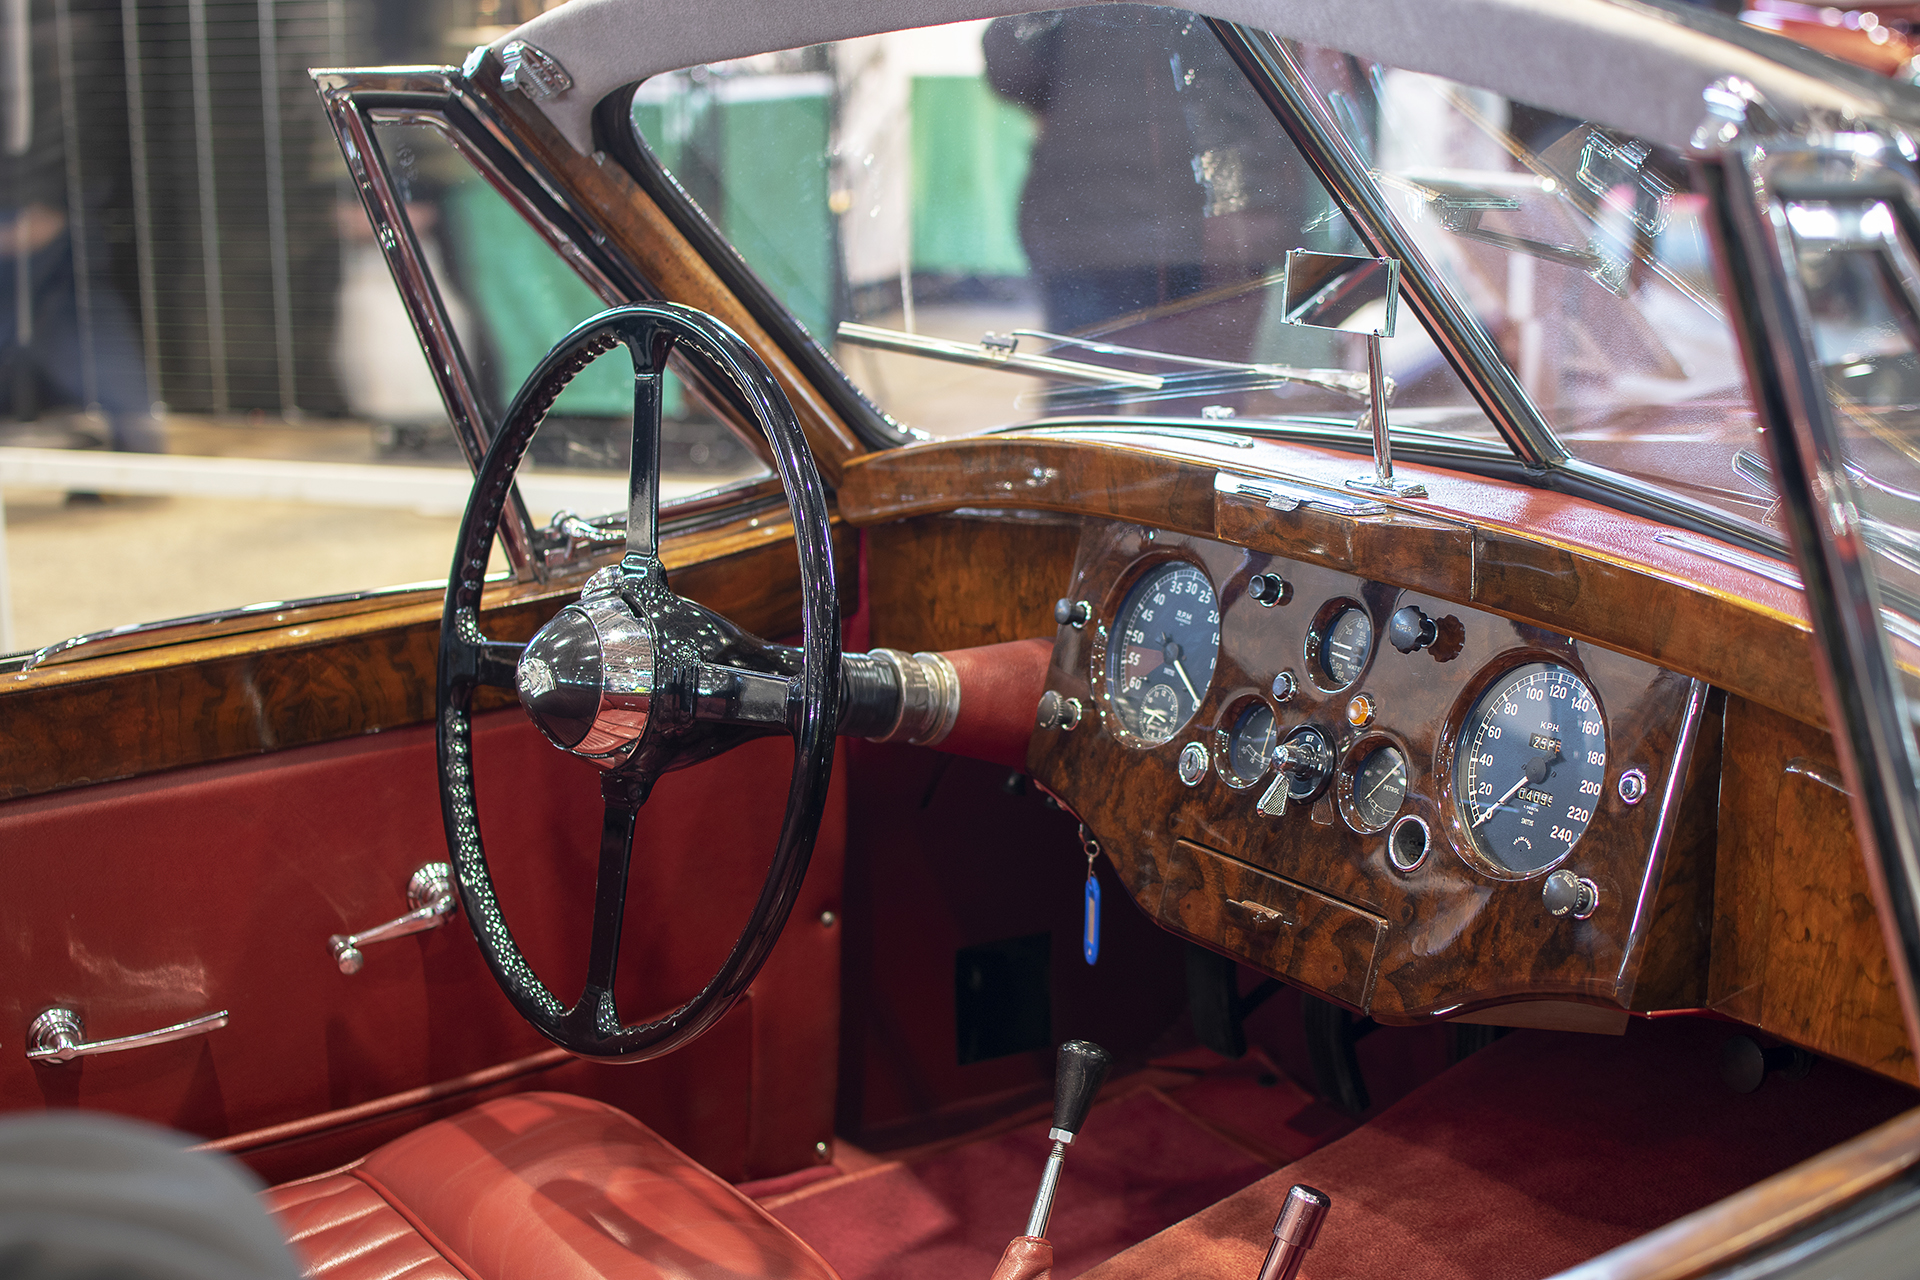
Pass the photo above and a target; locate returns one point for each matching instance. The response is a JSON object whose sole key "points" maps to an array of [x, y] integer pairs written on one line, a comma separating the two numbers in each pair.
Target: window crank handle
{"points": [[429, 894]]}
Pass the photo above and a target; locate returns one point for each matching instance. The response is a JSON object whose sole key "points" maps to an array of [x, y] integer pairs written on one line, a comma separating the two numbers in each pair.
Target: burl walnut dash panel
{"points": [[1318, 902], [1797, 947]]}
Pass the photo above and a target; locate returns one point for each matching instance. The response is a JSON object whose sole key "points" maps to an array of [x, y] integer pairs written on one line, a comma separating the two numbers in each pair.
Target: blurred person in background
{"points": [[65, 332]]}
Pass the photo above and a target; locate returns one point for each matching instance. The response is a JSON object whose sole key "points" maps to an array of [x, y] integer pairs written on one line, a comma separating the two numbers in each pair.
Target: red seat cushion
{"points": [[542, 1185]]}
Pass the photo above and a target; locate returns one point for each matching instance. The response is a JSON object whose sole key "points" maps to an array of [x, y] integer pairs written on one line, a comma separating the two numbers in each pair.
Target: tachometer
{"points": [[1529, 767], [1161, 657]]}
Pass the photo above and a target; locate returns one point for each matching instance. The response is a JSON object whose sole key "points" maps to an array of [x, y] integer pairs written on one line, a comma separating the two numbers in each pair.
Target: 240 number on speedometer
{"points": [[1529, 771]]}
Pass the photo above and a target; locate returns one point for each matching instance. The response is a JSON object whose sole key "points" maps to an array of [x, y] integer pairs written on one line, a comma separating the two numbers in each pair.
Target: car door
{"points": [[201, 820]]}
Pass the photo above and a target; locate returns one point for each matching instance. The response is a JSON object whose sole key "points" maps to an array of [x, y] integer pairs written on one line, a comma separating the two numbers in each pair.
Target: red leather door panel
{"points": [[143, 903]]}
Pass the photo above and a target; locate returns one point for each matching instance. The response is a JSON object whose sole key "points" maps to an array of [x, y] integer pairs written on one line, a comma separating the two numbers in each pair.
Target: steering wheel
{"points": [[638, 680]]}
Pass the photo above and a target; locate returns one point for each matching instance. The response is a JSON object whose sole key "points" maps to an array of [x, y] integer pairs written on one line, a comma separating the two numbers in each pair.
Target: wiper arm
{"points": [[991, 355], [997, 352], [1342, 381]]}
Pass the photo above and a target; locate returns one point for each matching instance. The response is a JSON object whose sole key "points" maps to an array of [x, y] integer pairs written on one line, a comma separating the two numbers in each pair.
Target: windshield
{"points": [[1081, 214], [1583, 253]]}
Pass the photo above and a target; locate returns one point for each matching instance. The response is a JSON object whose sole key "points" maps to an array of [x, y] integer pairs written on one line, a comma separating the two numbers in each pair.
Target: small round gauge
{"points": [[1161, 658], [1378, 788], [1250, 745], [1339, 643], [1529, 767]]}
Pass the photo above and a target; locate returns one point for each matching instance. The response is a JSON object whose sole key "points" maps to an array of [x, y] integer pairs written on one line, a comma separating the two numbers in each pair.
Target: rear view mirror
{"points": [[1340, 291]]}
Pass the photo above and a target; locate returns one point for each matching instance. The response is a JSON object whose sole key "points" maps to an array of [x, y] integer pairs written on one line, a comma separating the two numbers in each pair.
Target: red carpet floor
{"points": [[1141, 1164], [1537, 1153]]}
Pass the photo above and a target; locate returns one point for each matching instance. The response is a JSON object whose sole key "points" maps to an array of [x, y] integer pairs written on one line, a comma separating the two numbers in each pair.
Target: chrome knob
{"points": [[1072, 613]]}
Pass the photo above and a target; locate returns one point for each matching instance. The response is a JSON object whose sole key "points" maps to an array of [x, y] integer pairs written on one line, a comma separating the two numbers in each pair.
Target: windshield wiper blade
{"points": [[994, 352]]}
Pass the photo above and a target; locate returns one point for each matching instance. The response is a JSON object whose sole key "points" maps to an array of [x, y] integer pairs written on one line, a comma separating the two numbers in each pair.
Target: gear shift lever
{"points": [[1082, 1067]]}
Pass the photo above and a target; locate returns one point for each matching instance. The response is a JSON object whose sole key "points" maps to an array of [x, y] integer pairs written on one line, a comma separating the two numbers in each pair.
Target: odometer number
{"points": [[1530, 767]]}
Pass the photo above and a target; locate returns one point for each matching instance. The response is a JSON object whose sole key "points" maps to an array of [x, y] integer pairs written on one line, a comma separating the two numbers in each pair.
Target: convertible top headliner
{"points": [[1631, 65]]}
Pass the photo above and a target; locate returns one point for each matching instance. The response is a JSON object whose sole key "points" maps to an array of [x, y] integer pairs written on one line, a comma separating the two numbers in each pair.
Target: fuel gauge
{"points": [[1374, 785]]}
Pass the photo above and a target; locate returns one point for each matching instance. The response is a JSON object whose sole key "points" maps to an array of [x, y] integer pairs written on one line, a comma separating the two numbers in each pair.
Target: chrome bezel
{"points": [[1364, 748], [1465, 840], [1330, 612], [1403, 822], [1102, 653]]}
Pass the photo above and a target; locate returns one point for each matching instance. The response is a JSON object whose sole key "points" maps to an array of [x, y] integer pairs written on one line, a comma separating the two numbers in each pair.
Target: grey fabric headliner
{"points": [[1621, 64]]}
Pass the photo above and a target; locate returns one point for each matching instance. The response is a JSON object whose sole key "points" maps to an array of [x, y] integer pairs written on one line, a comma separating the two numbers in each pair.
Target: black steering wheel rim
{"points": [[591, 1027]]}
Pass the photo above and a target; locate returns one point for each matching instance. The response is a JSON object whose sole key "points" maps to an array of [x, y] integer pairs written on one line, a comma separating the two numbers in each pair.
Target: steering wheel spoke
{"points": [[733, 695], [472, 659], [624, 794], [649, 350]]}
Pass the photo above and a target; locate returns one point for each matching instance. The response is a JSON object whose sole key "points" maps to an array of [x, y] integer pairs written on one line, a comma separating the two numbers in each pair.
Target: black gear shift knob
{"points": [[1082, 1069]]}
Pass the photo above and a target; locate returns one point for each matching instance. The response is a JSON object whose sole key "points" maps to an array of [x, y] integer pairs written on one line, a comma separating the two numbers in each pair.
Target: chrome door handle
{"points": [[429, 894], [58, 1035]]}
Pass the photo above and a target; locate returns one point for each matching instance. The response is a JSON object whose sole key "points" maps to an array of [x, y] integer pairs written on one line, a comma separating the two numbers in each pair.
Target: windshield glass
{"points": [[1081, 214], [1583, 253]]}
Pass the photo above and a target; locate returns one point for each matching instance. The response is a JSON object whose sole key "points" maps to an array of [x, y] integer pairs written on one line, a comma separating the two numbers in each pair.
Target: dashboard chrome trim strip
{"points": [[1286, 495], [1664, 823]]}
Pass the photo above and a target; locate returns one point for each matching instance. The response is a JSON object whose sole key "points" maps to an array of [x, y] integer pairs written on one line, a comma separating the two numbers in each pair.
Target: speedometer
{"points": [[1161, 657], [1529, 767]]}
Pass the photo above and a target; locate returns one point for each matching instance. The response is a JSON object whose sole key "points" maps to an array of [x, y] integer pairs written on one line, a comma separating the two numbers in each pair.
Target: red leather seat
{"points": [[536, 1185]]}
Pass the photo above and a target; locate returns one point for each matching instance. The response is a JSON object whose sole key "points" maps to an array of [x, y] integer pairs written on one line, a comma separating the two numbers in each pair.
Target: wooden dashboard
{"points": [[1752, 903], [1315, 896]]}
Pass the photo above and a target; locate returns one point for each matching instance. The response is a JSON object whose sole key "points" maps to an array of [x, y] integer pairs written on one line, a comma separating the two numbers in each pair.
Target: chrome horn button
{"points": [[587, 679]]}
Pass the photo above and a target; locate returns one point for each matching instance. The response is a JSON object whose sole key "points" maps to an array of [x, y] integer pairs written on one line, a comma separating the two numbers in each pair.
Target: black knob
{"points": [[1071, 613], [1409, 629], [1565, 893], [1269, 588], [1082, 1069]]}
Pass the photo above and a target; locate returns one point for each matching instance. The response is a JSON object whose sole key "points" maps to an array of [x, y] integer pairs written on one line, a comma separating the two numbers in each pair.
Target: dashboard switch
{"points": [[1410, 630], [1304, 760], [1193, 764], [1566, 894], [1056, 712], [1285, 686], [1072, 613], [1269, 589]]}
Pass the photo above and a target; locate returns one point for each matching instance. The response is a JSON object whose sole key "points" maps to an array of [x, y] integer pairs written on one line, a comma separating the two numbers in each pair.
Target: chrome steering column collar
{"points": [[588, 678], [929, 697]]}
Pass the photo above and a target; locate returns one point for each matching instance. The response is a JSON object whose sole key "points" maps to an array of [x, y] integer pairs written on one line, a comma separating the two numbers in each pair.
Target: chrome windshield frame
{"points": [[1749, 189], [466, 106]]}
